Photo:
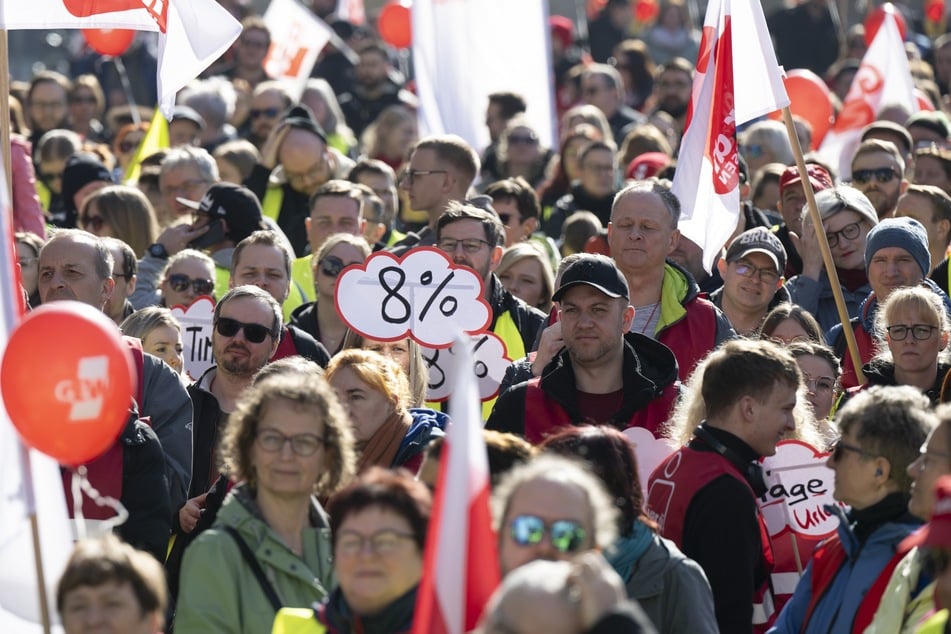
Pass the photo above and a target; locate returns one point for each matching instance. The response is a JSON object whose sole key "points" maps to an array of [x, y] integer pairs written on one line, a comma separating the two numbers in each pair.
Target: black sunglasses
{"points": [[255, 333], [331, 266], [180, 283], [881, 174], [93, 223]]}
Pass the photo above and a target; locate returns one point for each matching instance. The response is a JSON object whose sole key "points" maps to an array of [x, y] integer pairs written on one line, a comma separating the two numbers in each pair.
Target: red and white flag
{"points": [[882, 81], [460, 567], [192, 33], [30, 482], [297, 37], [737, 80]]}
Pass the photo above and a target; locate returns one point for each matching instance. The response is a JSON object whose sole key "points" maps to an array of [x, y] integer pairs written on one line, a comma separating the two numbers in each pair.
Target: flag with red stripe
{"points": [[737, 80]]}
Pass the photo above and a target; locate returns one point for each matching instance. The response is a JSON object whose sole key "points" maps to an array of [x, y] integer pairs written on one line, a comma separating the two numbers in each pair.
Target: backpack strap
{"points": [[255, 567]]}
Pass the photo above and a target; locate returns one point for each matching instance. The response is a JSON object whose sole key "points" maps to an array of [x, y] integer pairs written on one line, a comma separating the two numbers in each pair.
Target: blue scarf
{"points": [[626, 551]]}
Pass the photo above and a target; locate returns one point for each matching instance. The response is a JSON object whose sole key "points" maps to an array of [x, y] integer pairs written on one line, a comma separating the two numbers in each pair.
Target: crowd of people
{"points": [[289, 486]]}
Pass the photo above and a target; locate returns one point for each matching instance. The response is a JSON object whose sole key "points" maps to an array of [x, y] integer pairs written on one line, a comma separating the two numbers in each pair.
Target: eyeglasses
{"points": [[188, 187], [567, 536], [469, 245], [924, 453], [93, 223], [123, 276], [921, 332], [880, 175], [383, 542], [519, 139], [312, 173], [849, 232], [839, 447], [818, 384], [410, 175], [505, 218], [746, 269], [270, 113], [303, 445], [180, 283], [331, 266], [255, 333]]}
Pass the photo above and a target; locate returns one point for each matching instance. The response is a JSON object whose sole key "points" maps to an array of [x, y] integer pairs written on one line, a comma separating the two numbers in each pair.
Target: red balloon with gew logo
{"points": [[66, 379], [809, 98], [112, 42]]}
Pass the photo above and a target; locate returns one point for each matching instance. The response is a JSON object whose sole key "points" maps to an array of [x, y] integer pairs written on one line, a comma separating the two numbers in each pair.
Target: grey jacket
{"points": [[672, 590], [816, 297]]}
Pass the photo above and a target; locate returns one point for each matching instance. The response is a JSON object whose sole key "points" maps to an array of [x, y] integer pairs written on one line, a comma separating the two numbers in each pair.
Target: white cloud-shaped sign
{"points": [[197, 320], [422, 295], [800, 484], [649, 451], [490, 360]]}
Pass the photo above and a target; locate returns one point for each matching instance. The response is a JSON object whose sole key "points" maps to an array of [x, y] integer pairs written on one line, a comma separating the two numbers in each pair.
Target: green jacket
{"points": [[218, 591]]}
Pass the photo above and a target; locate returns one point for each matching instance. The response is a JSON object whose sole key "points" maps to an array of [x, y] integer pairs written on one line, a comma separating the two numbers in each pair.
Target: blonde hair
{"points": [[528, 251], [380, 373]]}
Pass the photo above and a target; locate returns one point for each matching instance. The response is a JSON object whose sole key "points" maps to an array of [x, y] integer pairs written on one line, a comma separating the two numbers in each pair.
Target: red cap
{"points": [[937, 532], [563, 29], [818, 176], [646, 165]]}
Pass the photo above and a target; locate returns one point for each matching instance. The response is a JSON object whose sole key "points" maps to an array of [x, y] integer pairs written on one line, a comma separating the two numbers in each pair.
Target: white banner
{"points": [[466, 49], [297, 37]]}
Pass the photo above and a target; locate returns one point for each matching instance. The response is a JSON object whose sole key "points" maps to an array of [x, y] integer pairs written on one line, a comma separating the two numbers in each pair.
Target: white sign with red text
{"points": [[197, 320]]}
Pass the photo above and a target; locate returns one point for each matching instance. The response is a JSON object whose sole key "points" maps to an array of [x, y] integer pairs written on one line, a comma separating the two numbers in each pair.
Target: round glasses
{"points": [[921, 332], [566, 536], [304, 445]]}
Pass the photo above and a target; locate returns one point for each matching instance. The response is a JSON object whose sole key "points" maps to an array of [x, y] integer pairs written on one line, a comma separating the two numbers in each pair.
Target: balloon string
{"points": [[80, 481]]}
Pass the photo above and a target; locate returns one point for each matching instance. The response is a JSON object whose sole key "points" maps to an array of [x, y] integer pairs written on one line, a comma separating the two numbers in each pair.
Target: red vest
{"points": [[105, 472], [543, 416], [672, 487], [866, 346], [691, 338]]}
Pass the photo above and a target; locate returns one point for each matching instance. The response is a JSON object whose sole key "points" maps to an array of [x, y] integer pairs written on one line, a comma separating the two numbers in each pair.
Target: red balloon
{"points": [[112, 42], [395, 24], [874, 22], [809, 98], [67, 378]]}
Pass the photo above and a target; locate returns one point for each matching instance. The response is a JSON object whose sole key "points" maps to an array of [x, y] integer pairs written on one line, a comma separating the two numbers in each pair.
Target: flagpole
{"points": [[824, 246], [5, 109]]}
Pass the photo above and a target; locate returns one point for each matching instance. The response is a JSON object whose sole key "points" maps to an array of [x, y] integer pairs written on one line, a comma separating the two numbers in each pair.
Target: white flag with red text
{"points": [[297, 37], [882, 81], [192, 33], [29, 481], [737, 80], [460, 566]]}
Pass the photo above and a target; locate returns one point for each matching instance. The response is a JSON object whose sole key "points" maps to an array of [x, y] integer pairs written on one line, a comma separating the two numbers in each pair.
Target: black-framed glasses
{"points": [[331, 266], [768, 275], [506, 218], [566, 536], [469, 245], [92, 223], [850, 231], [879, 175], [410, 175], [839, 447], [180, 283], [270, 113], [383, 542], [921, 332], [255, 333], [303, 445], [124, 276]]}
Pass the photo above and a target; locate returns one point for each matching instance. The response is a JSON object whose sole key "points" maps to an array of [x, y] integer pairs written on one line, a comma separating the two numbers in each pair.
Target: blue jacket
{"points": [[427, 425], [836, 610]]}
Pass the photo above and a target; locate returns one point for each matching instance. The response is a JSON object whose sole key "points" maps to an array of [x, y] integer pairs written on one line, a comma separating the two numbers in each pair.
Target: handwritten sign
{"points": [[422, 295], [800, 484], [649, 451], [490, 361], [197, 320]]}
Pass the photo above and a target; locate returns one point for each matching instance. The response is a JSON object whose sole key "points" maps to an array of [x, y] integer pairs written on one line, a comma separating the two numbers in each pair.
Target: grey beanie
{"points": [[905, 233]]}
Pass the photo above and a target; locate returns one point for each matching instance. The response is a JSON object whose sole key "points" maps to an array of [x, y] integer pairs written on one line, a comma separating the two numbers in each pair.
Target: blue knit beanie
{"points": [[905, 233]]}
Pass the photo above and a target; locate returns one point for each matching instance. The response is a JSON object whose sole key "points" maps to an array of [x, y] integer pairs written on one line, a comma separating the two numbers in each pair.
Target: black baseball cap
{"points": [[597, 271]]}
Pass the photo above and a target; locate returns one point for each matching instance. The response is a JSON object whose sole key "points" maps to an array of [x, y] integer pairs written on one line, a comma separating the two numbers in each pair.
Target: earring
{"points": [[878, 472]]}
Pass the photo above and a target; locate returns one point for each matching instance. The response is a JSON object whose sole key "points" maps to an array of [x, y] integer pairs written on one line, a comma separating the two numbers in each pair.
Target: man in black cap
{"points": [[605, 375], [84, 173], [295, 162], [231, 213]]}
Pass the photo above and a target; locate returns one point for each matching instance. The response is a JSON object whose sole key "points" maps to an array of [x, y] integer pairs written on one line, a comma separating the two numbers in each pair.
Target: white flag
{"points": [[467, 49], [883, 80], [192, 33], [737, 79], [297, 37]]}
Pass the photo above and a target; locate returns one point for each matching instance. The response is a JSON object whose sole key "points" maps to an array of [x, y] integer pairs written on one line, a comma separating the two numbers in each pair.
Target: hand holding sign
{"points": [[422, 295]]}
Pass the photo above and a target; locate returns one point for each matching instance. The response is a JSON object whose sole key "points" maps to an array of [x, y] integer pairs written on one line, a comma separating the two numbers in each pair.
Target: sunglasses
{"points": [[881, 175], [270, 113], [839, 448], [518, 139], [180, 283], [255, 333], [93, 223], [331, 266], [567, 536]]}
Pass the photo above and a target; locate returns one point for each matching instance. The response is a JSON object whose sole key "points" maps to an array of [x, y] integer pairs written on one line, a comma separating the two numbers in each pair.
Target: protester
{"points": [[525, 273], [188, 275], [788, 323], [407, 353], [160, 333], [121, 212]]}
